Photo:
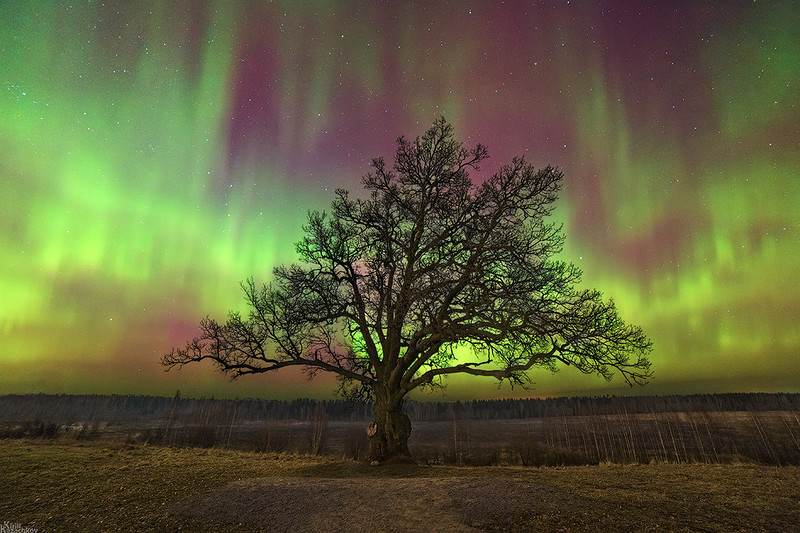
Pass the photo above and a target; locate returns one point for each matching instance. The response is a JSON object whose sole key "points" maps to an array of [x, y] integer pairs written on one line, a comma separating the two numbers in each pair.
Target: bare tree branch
{"points": [[427, 276]]}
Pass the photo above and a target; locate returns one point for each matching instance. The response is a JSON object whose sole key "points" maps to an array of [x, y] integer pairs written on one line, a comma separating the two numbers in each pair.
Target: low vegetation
{"points": [[59, 486], [701, 463], [712, 429]]}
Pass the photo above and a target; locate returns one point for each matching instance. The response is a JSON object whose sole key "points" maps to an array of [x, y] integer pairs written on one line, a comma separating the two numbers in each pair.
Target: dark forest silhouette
{"points": [[67, 408]]}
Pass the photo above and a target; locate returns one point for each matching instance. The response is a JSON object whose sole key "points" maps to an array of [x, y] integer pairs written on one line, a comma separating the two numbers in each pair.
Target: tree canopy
{"points": [[427, 274]]}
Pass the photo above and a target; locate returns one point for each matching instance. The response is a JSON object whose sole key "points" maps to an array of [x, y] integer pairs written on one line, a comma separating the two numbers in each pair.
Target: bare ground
{"points": [[647, 498], [68, 487], [375, 504]]}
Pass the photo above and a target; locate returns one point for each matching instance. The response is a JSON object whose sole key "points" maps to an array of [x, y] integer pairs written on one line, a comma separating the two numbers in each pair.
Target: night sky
{"points": [[152, 155]]}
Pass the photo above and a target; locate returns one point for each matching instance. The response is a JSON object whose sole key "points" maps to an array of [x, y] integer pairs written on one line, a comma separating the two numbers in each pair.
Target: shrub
{"points": [[356, 444]]}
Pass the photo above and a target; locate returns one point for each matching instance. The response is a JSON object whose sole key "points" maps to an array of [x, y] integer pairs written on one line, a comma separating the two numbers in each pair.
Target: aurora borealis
{"points": [[154, 154]]}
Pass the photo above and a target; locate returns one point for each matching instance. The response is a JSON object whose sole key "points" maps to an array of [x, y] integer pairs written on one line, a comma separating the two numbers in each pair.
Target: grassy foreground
{"points": [[53, 487]]}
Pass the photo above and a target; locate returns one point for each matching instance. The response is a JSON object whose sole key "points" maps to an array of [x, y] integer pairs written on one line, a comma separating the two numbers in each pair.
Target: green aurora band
{"points": [[154, 154]]}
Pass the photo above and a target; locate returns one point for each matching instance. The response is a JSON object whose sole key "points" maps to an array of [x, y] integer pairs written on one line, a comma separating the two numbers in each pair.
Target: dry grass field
{"points": [[103, 485], [762, 429]]}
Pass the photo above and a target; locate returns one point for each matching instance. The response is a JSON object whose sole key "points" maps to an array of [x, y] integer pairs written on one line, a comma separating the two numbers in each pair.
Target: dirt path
{"points": [[609, 498], [375, 504]]}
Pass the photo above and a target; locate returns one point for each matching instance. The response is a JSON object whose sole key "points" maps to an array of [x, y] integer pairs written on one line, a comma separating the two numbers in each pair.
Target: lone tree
{"points": [[430, 275]]}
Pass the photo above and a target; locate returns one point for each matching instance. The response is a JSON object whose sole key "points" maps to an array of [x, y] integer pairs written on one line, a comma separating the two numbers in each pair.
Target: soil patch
{"points": [[375, 504]]}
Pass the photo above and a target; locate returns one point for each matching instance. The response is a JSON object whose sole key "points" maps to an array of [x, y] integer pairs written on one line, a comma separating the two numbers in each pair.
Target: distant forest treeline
{"points": [[118, 409]]}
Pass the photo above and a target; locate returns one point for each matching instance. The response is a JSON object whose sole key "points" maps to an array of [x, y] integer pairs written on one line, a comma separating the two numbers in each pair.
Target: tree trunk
{"points": [[390, 430]]}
